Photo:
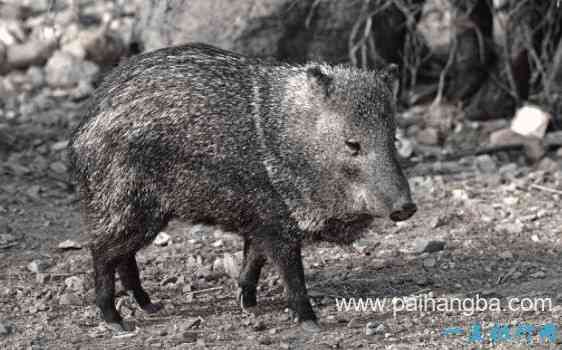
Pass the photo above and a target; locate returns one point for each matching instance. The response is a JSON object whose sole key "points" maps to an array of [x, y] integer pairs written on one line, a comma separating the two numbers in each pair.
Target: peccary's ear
{"points": [[320, 78], [389, 75]]}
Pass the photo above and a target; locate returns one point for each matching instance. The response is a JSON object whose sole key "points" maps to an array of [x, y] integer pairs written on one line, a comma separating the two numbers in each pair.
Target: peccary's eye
{"points": [[353, 146]]}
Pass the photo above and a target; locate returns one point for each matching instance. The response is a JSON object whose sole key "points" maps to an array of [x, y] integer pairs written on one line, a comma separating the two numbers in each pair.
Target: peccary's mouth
{"points": [[343, 230]]}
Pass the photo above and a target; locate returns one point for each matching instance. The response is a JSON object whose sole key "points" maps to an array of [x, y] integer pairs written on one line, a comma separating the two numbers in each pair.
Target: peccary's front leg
{"points": [[250, 273], [286, 255]]}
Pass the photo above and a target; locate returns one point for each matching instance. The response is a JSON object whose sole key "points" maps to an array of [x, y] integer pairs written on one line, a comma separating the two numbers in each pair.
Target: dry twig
{"points": [[204, 291], [546, 189]]}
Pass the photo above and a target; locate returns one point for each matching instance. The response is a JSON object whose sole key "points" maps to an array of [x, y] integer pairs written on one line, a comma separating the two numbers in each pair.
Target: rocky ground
{"points": [[487, 226], [495, 233]]}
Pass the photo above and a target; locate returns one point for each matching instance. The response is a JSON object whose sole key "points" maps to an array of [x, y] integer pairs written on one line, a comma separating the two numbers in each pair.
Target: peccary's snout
{"points": [[395, 190], [403, 211]]}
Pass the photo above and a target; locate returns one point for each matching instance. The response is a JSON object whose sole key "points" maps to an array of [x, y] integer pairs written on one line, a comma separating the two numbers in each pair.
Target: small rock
{"points": [[556, 310], [40, 306], [460, 194], [510, 201], [361, 245], [535, 238], [530, 120], [83, 90], [42, 278], [37, 266], [40, 163], [104, 47], [538, 274], [429, 262], [36, 76], [548, 165], [542, 213], [5, 328], [509, 170], [7, 240], [506, 255], [516, 275], [74, 48], [231, 265], [428, 136], [218, 243], [437, 221], [533, 146], [11, 33], [203, 272], [486, 164], [423, 281], [69, 244], [189, 337], [354, 323], [33, 191], [405, 148], [17, 168], [422, 245], [193, 323], [170, 280], [39, 6], [259, 326], [372, 328], [69, 299], [58, 167], [513, 228], [65, 70], [265, 340], [59, 146], [75, 284], [162, 239], [218, 265], [528, 218], [11, 11]]}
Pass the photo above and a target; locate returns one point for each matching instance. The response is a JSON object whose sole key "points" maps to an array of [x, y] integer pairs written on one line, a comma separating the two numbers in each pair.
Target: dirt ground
{"points": [[493, 232]]}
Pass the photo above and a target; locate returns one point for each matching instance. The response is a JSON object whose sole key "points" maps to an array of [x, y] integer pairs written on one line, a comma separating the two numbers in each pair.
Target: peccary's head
{"points": [[340, 147]]}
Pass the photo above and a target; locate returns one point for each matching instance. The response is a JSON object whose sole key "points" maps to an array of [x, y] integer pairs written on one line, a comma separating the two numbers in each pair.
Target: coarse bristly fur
{"points": [[275, 152]]}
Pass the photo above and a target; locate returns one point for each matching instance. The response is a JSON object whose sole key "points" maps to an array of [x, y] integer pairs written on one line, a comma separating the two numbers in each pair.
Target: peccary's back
{"points": [[175, 128], [184, 96]]}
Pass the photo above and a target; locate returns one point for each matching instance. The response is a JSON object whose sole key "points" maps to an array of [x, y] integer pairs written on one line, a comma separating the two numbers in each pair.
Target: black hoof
{"points": [[151, 308], [247, 299]]}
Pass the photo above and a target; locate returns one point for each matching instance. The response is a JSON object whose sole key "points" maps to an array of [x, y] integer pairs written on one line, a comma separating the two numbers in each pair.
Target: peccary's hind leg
{"points": [[104, 276], [286, 255], [250, 274], [116, 251], [130, 278]]}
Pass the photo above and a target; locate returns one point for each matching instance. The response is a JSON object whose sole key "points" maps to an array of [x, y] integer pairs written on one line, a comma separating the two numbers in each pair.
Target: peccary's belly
{"points": [[221, 194], [205, 168]]}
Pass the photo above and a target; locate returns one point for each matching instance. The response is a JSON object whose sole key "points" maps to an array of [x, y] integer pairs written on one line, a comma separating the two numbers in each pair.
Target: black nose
{"points": [[404, 212]]}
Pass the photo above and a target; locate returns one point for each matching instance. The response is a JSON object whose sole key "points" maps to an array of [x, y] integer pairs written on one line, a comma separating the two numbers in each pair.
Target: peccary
{"points": [[278, 153]]}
